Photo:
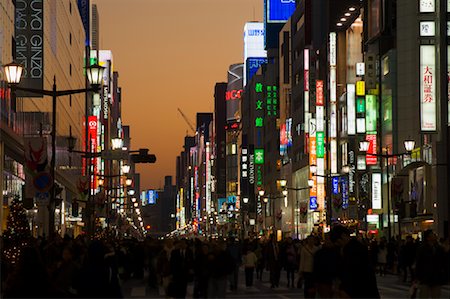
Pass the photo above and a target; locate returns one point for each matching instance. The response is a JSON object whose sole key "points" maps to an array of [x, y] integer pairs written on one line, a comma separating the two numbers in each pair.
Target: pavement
{"points": [[389, 286]]}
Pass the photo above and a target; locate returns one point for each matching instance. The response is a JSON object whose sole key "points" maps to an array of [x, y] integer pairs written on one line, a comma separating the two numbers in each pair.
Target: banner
{"points": [[29, 37]]}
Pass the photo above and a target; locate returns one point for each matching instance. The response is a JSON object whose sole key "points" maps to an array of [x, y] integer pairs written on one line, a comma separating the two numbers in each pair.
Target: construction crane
{"points": [[187, 121]]}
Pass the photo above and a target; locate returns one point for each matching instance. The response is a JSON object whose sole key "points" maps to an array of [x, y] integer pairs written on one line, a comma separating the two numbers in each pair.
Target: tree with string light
{"points": [[17, 233]]}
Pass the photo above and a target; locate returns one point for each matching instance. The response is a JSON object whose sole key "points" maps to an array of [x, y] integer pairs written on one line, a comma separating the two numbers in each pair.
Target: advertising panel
{"points": [[151, 196], [252, 65], [254, 53], [371, 113], [320, 145], [312, 161], [29, 37], [427, 88], [234, 91], [93, 129], [279, 11], [370, 159], [376, 191], [351, 110]]}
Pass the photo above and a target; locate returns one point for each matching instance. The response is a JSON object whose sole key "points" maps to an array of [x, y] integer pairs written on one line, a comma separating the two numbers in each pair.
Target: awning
{"points": [[405, 170]]}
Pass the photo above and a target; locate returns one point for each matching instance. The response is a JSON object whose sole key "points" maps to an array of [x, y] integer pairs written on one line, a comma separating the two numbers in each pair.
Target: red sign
{"points": [[306, 80], [234, 94], [92, 129], [371, 160], [319, 93]]}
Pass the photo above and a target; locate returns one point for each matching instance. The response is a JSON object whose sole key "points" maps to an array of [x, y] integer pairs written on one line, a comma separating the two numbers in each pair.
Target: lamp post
{"points": [[261, 193], [409, 146], [13, 76]]}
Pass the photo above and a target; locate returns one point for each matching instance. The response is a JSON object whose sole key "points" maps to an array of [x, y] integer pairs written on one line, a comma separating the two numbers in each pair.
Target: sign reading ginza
{"points": [[29, 36]]}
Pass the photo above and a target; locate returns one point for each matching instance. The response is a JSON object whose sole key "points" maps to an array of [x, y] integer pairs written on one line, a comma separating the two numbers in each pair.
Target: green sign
{"points": [[360, 105], [371, 113], [259, 121], [258, 87], [259, 175], [271, 100], [320, 147], [259, 156]]}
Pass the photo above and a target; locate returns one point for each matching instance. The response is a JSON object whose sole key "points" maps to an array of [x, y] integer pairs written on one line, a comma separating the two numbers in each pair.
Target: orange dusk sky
{"points": [[170, 54]]}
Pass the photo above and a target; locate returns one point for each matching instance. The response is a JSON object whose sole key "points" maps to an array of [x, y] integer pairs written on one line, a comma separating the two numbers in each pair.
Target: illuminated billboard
{"points": [[371, 113], [351, 110], [252, 65], [376, 191], [428, 87], [234, 91], [279, 11], [254, 53], [151, 196]]}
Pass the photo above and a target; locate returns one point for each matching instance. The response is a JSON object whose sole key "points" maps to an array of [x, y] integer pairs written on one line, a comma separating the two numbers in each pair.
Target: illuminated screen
{"points": [[252, 65], [152, 196], [279, 11]]}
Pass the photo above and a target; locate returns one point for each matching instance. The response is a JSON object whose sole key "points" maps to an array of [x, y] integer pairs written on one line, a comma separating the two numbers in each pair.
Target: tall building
{"points": [[95, 28]]}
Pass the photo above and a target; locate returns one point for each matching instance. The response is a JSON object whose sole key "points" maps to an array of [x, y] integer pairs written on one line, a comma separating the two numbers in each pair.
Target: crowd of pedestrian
{"points": [[335, 265]]}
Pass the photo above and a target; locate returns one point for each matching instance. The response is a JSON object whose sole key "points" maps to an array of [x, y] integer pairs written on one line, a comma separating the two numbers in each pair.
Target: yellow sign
{"points": [[360, 88]]}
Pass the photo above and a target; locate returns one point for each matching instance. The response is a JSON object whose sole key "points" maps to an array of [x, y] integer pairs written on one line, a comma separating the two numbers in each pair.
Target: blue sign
{"points": [[152, 196], [279, 11], [335, 184], [313, 203], [222, 204], [252, 65], [344, 183], [231, 199]]}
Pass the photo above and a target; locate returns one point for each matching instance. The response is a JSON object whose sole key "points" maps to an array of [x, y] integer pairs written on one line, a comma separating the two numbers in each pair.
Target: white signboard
{"points": [[426, 5], [351, 110], [376, 190], [428, 87], [427, 28]]}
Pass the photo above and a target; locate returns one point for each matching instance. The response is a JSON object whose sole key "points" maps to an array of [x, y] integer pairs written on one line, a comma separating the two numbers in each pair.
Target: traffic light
{"points": [[143, 157]]}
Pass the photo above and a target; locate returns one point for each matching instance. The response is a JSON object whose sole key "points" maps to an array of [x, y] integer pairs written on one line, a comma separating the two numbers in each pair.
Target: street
{"points": [[389, 287]]}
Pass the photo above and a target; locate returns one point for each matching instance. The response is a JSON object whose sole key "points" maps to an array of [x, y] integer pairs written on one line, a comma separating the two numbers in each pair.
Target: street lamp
{"points": [[126, 168], [128, 182], [13, 76], [409, 146]]}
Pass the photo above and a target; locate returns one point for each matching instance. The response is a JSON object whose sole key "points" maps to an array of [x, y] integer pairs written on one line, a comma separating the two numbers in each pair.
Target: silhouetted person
{"points": [[356, 272], [326, 268], [181, 265], [431, 266], [273, 261]]}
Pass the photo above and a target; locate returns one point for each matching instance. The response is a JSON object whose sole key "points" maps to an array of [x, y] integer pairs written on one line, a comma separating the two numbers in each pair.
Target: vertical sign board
{"points": [[254, 53], [370, 159], [29, 37], [312, 161], [371, 113], [279, 11], [376, 190], [351, 110], [92, 129], [428, 87], [234, 91]]}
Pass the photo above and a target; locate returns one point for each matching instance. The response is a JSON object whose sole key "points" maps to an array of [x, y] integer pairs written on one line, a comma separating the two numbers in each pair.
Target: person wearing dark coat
{"points": [[181, 265], [325, 268], [273, 261], [431, 266], [355, 270]]}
